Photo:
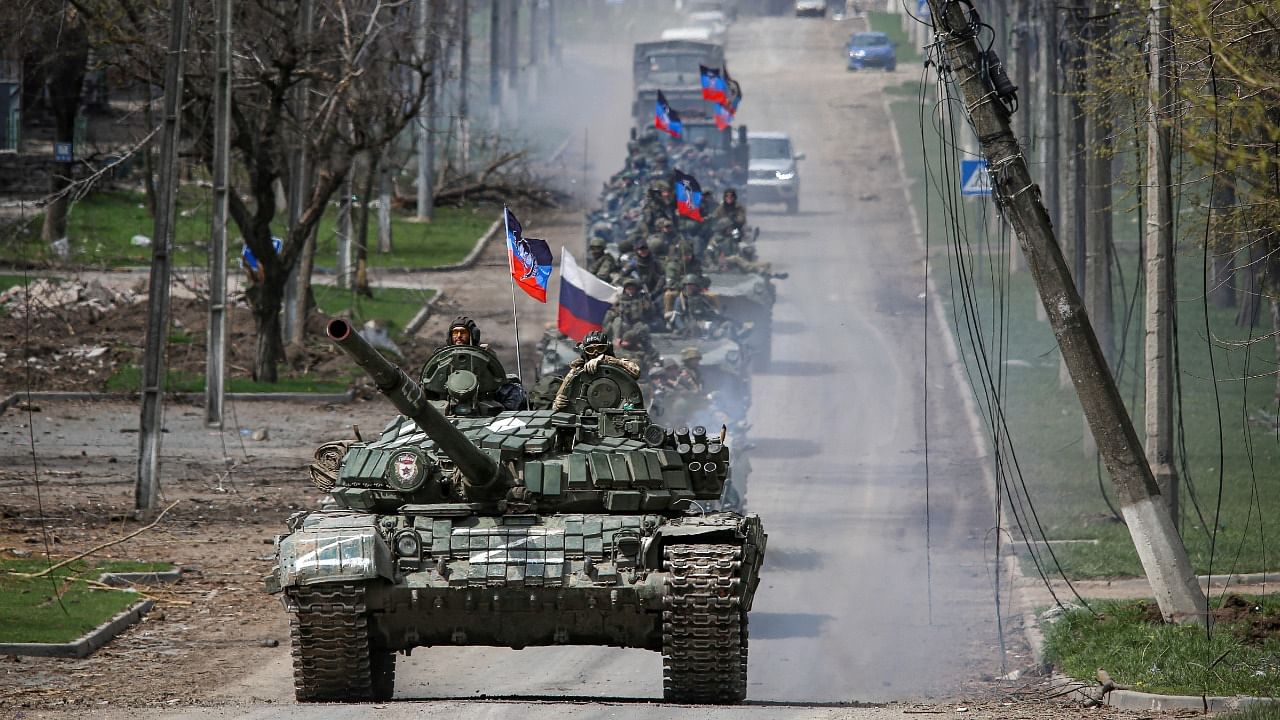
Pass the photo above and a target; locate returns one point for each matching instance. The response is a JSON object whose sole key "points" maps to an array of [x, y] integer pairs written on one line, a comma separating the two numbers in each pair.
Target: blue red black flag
{"points": [[688, 195], [666, 119], [724, 117], [733, 91], [530, 259], [713, 86]]}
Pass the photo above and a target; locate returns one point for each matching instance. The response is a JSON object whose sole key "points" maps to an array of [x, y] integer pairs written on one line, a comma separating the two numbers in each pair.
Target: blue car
{"points": [[872, 49]]}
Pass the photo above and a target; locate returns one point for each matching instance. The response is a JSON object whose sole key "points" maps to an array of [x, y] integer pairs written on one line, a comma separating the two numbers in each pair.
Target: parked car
{"points": [[692, 33], [872, 49], [771, 171], [811, 8]]}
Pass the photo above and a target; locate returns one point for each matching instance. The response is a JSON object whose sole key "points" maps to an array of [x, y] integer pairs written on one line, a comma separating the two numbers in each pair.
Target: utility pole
{"points": [[1048, 100], [384, 202], [426, 113], [1073, 176], [215, 372], [1158, 246], [495, 65], [512, 55], [1097, 144], [299, 281], [553, 48], [1022, 78], [464, 80], [1163, 556], [531, 77], [344, 273], [151, 427]]}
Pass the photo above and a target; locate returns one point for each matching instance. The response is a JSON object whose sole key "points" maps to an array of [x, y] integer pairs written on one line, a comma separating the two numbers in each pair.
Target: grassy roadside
{"points": [[29, 612], [1045, 420], [102, 227], [891, 24], [394, 306], [1129, 641]]}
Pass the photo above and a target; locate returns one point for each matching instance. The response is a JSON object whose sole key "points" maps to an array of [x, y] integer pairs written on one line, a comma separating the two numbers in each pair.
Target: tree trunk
{"points": [[360, 227], [1251, 288], [265, 300], [66, 66]]}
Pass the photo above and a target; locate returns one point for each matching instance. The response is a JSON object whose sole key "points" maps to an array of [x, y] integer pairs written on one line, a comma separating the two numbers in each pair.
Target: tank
{"points": [[748, 298], [526, 528]]}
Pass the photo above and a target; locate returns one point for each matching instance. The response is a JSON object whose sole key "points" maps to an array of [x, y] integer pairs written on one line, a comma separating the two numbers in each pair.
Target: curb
{"points": [[471, 257], [1089, 694], [420, 319], [194, 398], [90, 642], [125, 579]]}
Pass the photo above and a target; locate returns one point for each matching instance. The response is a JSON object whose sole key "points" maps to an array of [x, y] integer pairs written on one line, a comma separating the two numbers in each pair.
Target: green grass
{"points": [[396, 306], [1256, 711], [1160, 658], [101, 226], [1045, 420], [891, 24], [128, 378], [29, 611]]}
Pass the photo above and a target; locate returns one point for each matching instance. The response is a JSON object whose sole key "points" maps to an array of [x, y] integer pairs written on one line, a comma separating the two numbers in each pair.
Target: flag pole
{"points": [[511, 275]]}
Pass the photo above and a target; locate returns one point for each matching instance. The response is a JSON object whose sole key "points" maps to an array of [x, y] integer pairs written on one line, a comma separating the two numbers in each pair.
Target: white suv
{"points": [[772, 174]]}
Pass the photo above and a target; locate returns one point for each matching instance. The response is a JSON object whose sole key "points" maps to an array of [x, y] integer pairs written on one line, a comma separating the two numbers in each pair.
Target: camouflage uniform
{"points": [[682, 262], [600, 263], [589, 364], [630, 309]]}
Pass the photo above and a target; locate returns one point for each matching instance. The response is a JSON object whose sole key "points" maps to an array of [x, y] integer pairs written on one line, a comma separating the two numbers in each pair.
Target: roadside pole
{"points": [[295, 289], [1097, 163], [1163, 556], [147, 488], [464, 79], [1022, 78], [495, 65], [215, 373], [426, 151], [1158, 244]]}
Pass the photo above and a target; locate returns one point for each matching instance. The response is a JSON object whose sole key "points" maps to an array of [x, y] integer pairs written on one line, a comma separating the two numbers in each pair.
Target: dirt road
{"points": [[859, 604]]}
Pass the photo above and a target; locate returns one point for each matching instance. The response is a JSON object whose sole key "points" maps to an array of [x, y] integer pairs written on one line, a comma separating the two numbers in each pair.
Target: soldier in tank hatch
{"points": [[597, 350]]}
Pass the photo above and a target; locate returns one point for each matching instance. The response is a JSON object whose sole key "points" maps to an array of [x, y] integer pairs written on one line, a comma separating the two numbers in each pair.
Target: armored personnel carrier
{"points": [[748, 298], [582, 527]]}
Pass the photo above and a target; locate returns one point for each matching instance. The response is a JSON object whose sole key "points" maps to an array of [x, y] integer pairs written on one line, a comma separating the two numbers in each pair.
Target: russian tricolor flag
{"points": [[584, 299]]}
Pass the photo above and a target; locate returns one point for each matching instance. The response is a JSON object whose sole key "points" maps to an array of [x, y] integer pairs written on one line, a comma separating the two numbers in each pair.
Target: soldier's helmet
{"points": [[692, 279], [463, 331], [663, 223], [631, 281], [690, 353], [596, 242], [747, 251], [625, 246], [656, 244], [596, 343]]}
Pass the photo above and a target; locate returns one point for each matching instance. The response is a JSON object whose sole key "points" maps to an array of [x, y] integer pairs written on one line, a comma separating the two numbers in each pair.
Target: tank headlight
{"points": [[407, 544]]}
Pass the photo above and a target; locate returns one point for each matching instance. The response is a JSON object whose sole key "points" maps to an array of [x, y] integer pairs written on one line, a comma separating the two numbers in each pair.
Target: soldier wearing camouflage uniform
{"points": [[633, 307], [731, 210], [600, 263], [597, 350]]}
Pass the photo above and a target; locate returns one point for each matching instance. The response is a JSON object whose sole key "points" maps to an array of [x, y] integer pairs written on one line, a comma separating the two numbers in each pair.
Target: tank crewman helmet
{"points": [[596, 343], [463, 331]]}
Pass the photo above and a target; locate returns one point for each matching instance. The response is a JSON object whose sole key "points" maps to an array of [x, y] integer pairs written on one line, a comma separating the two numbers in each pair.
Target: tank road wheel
{"points": [[332, 659], [704, 629]]}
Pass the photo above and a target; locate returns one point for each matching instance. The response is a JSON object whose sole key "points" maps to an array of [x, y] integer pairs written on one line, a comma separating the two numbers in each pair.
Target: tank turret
{"points": [[483, 476]]}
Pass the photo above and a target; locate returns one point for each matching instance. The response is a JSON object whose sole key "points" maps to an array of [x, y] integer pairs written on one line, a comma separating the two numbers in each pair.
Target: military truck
{"points": [[526, 528], [672, 63]]}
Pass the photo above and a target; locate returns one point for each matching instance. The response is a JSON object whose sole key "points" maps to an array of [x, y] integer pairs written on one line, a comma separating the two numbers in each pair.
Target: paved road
{"points": [[838, 468]]}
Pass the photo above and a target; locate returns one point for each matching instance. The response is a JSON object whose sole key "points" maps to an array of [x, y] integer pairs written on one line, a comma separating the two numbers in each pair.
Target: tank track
{"points": [[332, 657], [704, 629]]}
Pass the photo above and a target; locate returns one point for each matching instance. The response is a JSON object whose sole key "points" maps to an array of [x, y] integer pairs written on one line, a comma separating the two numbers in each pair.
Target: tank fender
{"points": [[736, 530], [326, 554]]}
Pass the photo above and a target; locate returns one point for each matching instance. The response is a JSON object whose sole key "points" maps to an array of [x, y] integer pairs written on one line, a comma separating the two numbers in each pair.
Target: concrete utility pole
{"points": [[151, 427], [553, 48], [345, 269], [535, 69], [215, 373], [1021, 40], [1047, 99], [464, 80], [1158, 245], [426, 114], [512, 31], [295, 289], [1163, 556], [1072, 187], [495, 65], [384, 203], [1097, 144]]}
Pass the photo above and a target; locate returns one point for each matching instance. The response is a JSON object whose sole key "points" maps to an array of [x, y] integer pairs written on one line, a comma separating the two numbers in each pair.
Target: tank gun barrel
{"points": [[483, 476]]}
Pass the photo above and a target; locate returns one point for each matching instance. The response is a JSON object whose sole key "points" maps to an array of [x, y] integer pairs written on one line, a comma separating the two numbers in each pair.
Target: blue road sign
{"points": [[974, 179], [62, 152]]}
